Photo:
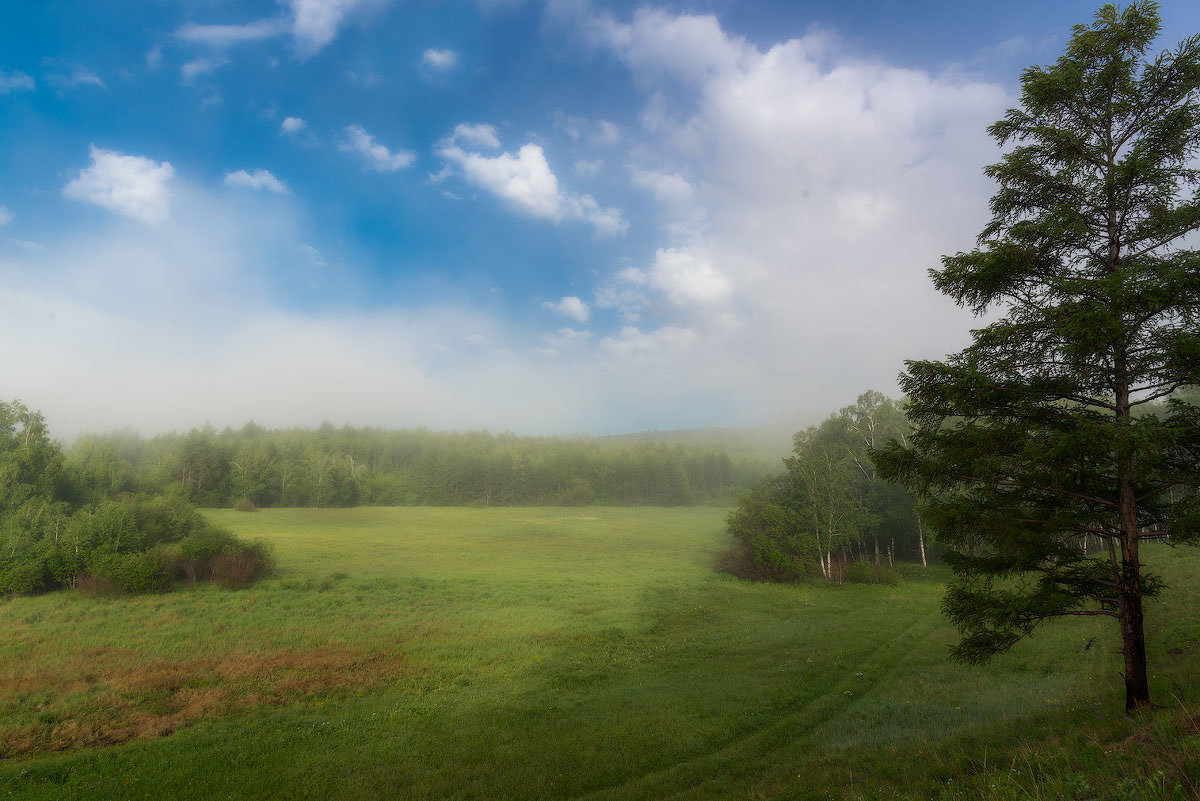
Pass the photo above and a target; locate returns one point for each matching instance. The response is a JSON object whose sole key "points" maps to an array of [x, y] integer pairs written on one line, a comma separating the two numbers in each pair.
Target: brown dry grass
{"points": [[108, 700]]}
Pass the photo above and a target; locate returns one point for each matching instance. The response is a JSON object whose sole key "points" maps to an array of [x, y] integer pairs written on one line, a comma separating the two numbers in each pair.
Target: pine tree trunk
{"points": [[1129, 595], [1129, 585]]}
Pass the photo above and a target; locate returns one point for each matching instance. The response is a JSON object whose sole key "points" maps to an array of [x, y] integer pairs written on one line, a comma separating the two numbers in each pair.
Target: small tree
{"points": [[1032, 437]]}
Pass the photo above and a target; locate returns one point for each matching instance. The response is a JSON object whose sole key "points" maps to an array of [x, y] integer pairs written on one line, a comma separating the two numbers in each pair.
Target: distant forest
{"points": [[347, 466]]}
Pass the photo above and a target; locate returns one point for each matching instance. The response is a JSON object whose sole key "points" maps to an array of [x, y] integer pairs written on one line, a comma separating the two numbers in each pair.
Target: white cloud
{"points": [[606, 220], [570, 306], [204, 65], [687, 277], [670, 189], [439, 60], [809, 191], [154, 58], [15, 81], [222, 36], [654, 347], [315, 23], [259, 179], [5, 215], [564, 339], [311, 23], [525, 180], [79, 76], [479, 135], [377, 157], [599, 133], [132, 186], [529, 185], [292, 125]]}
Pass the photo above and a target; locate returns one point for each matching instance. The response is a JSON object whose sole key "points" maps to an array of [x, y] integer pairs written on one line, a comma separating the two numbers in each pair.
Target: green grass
{"points": [[585, 653]]}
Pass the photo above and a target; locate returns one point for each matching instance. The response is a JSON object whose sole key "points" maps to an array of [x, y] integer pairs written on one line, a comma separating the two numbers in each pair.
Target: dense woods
{"points": [[327, 467]]}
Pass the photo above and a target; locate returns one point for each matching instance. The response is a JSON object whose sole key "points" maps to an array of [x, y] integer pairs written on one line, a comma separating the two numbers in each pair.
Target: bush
{"points": [[245, 505], [242, 565], [736, 561], [774, 545], [129, 572], [24, 578], [198, 550]]}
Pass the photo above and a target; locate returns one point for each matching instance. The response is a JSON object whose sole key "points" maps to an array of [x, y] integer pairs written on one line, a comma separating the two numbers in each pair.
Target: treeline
{"points": [[257, 467], [828, 513], [58, 530]]}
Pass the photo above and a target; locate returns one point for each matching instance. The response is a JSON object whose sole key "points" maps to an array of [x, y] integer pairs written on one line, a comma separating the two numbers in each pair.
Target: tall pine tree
{"points": [[1058, 424]]}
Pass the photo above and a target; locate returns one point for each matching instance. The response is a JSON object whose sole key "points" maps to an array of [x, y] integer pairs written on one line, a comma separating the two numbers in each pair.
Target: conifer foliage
{"points": [[1061, 424]]}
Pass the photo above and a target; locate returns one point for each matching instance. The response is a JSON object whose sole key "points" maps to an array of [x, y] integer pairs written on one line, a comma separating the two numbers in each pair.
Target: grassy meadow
{"points": [[585, 653]]}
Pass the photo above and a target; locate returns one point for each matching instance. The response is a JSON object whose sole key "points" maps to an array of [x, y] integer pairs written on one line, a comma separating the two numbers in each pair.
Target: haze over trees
{"points": [[1062, 425], [349, 466], [829, 507]]}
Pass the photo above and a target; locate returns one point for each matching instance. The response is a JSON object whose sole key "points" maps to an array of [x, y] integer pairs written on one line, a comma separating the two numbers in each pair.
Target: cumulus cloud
{"points": [[570, 306], [15, 81], [377, 156], [811, 190], [527, 183], [687, 277], [439, 60], [259, 179], [132, 186], [292, 125], [315, 23], [5, 215]]}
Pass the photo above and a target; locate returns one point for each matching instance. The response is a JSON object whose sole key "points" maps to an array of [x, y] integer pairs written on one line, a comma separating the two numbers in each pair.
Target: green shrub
{"points": [[774, 544], [24, 578], [129, 573], [198, 550], [736, 561], [245, 505], [242, 565]]}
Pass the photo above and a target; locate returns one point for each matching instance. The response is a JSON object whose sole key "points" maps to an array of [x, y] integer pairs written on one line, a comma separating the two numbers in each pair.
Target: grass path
{"points": [[586, 654]]}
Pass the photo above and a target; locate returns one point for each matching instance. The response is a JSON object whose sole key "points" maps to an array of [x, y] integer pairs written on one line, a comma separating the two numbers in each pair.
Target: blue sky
{"points": [[547, 216]]}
